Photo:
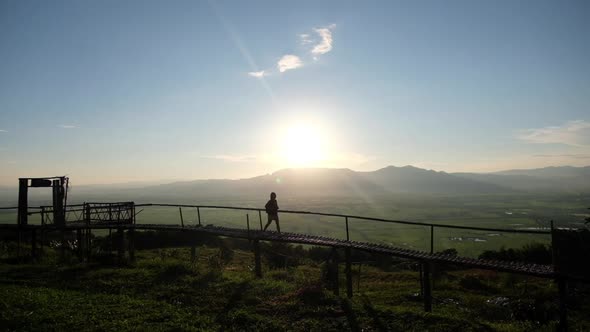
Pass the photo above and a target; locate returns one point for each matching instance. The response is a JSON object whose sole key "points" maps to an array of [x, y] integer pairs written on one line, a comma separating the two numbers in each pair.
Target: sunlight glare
{"points": [[303, 145]]}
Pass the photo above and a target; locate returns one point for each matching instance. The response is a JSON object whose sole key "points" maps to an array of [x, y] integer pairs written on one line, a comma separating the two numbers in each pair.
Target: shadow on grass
{"points": [[236, 296], [173, 272], [350, 315], [368, 306]]}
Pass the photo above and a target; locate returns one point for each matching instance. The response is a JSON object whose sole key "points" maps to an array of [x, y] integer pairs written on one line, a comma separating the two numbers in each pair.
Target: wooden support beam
{"points": [[562, 285], [348, 271], [333, 278], [336, 281], [358, 281], [131, 244], [59, 218], [88, 244], [427, 287], [120, 245], [80, 242], [23, 209], [34, 243], [421, 279], [193, 254], [19, 236], [257, 261], [62, 250], [42, 241]]}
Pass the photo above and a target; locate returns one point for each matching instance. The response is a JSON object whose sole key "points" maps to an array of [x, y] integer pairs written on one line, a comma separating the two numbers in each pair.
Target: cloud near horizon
{"points": [[232, 158], [67, 126], [258, 74], [288, 62], [574, 133], [565, 155]]}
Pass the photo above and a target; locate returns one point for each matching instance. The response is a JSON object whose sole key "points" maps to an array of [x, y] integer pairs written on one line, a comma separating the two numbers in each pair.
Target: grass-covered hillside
{"points": [[166, 290]]}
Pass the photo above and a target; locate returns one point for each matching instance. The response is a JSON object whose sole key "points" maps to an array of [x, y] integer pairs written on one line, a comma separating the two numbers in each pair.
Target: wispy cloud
{"points": [[67, 126], [232, 158], [305, 39], [326, 41], [3, 131], [288, 62], [574, 133], [316, 45], [565, 155], [258, 74]]}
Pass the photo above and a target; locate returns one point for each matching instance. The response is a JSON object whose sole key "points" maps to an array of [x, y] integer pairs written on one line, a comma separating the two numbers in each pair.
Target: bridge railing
{"points": [[250, 222], [347, 220]]}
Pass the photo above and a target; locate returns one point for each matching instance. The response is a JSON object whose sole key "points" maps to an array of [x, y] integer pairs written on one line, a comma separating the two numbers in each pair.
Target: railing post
{"points": [[348, 271], [87, 213], [347, 233], [199, 215], [260, 218], [181, 219]]}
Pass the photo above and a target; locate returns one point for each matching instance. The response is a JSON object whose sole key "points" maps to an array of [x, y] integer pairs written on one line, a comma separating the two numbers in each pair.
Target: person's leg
{"points": [[268, 222], [278, 227]]}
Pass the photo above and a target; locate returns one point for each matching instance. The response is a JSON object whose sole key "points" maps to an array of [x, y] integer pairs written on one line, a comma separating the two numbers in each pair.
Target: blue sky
{"points": [[116, 91]]}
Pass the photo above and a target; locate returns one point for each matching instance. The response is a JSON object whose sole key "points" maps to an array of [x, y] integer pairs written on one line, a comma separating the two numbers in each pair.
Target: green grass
{"points": [[163, 290]]}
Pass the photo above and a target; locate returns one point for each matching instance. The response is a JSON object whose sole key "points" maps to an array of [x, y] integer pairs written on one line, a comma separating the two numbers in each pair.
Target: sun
{"points": [[303, 145]]}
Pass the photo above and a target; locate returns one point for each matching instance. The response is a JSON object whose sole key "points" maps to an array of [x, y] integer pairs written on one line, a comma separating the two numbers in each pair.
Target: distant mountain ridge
{"points": [[339, 182], [567, 179], [346, 182], [391, 179]]}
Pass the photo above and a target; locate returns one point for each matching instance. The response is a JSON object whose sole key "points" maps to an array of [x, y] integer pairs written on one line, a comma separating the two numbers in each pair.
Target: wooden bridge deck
{"points": [[538, 270]]}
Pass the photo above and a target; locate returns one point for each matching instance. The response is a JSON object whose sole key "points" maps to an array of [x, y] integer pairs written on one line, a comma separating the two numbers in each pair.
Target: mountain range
{"points": [[391, 179], [345, 182]]}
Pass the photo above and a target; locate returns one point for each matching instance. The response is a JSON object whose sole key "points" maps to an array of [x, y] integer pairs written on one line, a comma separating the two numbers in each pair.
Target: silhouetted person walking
{"points": [[272, 209]]}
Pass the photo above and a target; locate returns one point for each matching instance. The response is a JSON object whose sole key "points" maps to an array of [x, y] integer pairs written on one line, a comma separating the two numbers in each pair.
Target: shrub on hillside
{"points": [[531, 253]]}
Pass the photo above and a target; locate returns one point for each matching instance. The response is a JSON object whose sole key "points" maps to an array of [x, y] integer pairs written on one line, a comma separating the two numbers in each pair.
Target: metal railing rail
{"points": [[47, 210], [347, 216]]}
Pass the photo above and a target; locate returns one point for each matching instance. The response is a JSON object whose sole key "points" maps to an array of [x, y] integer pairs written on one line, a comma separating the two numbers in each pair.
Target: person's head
{"points": [[273, 195]]}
